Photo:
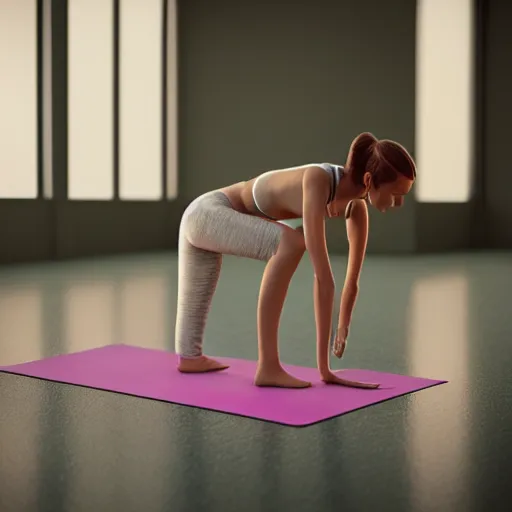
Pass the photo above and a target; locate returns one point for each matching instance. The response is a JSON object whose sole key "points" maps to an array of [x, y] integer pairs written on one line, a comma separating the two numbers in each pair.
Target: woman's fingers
{"points": [[339, 348], [356, 384]]}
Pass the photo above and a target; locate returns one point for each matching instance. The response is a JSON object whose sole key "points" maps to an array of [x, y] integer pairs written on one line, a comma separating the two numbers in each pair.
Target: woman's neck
{"points": [[347, 189]]}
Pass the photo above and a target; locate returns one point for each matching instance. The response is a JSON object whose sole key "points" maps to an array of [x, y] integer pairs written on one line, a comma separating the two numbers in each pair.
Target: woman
{"points": [[249, 219]]}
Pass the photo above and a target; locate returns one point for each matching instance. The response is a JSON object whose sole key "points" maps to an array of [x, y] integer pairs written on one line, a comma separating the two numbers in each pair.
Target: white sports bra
{"points": [[336, 172]]}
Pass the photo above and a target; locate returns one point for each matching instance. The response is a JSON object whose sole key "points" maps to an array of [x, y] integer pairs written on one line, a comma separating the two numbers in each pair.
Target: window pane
{"points": [[444, 101], [90, 103], [18, 99], [140, 96]]}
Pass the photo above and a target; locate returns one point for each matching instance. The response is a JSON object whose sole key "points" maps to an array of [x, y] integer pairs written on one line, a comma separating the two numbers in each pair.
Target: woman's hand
{"points": [[340, 341], [332, 378]]}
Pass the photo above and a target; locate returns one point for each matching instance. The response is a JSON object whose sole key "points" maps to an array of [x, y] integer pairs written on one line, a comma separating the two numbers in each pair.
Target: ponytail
{"points": [[383, 159], [361, 155]]}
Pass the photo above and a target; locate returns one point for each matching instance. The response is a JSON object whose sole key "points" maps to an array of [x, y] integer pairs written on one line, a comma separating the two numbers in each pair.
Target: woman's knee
{"points": [[292, 242]]}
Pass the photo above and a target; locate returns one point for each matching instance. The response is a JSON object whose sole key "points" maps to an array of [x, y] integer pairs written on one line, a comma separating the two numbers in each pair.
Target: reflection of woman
{"points": [[248, 219]]}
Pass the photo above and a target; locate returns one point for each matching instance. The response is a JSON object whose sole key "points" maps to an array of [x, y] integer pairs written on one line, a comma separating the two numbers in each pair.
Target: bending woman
{"points": [[248, 219]]}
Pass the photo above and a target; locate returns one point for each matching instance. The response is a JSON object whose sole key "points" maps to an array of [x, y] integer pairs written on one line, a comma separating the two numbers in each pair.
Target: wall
{"points": [[447, 96], [91, 167], [265, 84], [261, 84], [497, 181]]}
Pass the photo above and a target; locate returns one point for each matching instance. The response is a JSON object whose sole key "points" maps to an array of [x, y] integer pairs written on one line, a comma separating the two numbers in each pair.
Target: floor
{"points": [[443, 449]]}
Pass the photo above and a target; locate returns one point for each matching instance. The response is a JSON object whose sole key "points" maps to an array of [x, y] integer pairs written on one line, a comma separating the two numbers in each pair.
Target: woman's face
{"points": [[388, 195]]}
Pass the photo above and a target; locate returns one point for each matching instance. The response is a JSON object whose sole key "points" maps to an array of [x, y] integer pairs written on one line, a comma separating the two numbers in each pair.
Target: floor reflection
{"points": [[63, 314], [437, 436], [135, 441], [66, 312], [66, 447], [19, 447], [21, 323], [88, 316], [144, 308]]}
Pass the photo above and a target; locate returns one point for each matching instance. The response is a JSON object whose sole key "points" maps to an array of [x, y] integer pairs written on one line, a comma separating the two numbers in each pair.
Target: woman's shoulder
{"points": [[328, 166]]}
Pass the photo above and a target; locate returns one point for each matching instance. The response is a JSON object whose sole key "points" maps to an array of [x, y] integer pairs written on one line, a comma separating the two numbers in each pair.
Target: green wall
{"points": [[497, 182], [268, 84]]}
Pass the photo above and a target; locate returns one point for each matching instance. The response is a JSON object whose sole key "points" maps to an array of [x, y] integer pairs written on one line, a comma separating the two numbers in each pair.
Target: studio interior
{"points": [[134, 249]]}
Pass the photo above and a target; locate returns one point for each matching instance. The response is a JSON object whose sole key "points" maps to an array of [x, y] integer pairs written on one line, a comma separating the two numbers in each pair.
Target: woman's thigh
{"points": [[211, 224]]}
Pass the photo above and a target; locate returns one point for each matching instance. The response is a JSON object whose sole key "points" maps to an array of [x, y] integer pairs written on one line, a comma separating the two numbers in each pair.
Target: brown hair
{"points": [[383, 159]]}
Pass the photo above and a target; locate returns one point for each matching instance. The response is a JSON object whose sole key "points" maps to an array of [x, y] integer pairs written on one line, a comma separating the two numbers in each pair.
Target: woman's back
{"points": [[277, 194]]}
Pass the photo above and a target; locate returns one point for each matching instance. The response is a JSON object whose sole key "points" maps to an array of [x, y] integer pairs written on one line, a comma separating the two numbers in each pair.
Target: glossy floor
{"points": [[65, 448]]}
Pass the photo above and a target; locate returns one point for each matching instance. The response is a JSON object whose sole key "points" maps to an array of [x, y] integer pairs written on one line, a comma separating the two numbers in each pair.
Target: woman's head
{"points": [[383, 169]]}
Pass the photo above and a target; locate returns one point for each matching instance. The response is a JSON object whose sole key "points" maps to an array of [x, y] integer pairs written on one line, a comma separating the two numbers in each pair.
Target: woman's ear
{"points": [[367, 181]]}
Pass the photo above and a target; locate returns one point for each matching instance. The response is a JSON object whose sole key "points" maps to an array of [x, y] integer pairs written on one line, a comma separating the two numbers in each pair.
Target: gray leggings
{"points": [[210, 227]]}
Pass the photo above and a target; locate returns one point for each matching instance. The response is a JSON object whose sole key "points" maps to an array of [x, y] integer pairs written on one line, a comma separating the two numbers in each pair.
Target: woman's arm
{"points": [[315, 193], [357, 233]]}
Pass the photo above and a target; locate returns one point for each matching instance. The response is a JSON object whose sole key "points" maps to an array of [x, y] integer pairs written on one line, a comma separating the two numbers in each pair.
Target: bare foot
{"points": [[278, 378], [200, 365]]}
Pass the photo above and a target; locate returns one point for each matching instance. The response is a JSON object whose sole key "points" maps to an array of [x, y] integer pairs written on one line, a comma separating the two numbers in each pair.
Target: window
{"points": [[140, 99], [122, 72], [18, 99], [444, 100], [90, 99]]}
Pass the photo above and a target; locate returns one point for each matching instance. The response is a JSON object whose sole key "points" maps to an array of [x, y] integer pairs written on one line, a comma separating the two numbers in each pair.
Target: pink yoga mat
{"points": [[150, 373]]}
